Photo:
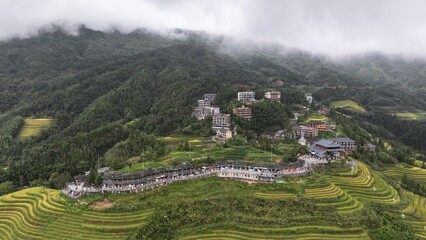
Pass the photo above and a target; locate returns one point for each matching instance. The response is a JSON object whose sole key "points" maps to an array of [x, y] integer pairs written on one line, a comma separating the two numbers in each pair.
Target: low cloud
{"points": [[323, 26]]}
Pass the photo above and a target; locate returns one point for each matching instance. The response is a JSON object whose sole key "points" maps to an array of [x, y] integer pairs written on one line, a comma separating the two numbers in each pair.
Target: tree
{"points": [[6, 187], [99, 179], [92, 176], [404, 179]]}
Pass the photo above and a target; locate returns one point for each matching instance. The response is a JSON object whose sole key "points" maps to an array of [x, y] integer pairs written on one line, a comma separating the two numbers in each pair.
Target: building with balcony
{"points": [[274, 96], [244, 112], [246, 97], [221, 119]]}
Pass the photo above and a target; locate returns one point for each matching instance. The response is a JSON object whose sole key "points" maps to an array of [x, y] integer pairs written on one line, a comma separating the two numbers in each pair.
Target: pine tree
{"points": [[404, 179], [92, 176]]}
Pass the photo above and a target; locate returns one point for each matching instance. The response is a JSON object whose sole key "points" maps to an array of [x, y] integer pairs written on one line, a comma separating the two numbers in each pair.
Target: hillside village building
{"points": [[327, 150], [324, 111], [221, 119], [244, 112], [246, 97], [203, 112], [348, 144], [205, 108], [210, 97], [204, 103], [274, 96], [222, 134], [320, 125], [306, 132]]}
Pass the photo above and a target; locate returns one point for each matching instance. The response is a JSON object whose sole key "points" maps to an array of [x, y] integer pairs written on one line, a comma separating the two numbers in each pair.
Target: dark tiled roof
{"points": [[327, 143], [342, 139], [316, 122]]}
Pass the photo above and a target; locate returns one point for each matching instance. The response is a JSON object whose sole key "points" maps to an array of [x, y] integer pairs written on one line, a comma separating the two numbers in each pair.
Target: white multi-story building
{"points": [[275, 95], [204, 103], [221, 119], [210, 96], [203, 112], [246, 96]]}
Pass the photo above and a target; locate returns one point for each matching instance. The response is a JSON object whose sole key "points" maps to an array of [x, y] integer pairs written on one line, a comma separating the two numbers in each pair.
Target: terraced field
{"points": [[335, 197], [329, 196], [347, 191], [366, 186], [416, 213], [268, 232], [33, 126], [415, 173], [39, 213], [272, 213], [348, 104]]}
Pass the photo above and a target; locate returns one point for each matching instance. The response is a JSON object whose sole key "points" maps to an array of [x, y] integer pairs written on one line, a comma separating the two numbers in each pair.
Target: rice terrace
{"points": [[321, 206], [348, 104], [34, 126]]}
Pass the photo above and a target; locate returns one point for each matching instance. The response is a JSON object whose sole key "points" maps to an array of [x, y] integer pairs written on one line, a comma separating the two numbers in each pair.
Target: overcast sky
{"points": [[336, 27]]}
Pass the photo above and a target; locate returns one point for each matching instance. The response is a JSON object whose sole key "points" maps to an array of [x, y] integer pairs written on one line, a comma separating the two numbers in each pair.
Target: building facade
{"points": [[306, 132], [210, 97], [320, 125], [244, 112], [326, 149], [246, 96], [348, 144], [274, 96], [203, 112], [221, 119], [222, 134], [204, 103]]}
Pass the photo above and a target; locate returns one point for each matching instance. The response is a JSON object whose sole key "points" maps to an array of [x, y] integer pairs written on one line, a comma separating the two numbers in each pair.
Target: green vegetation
{"points": [[327, 205], [116, 97], [416, 213], [411, 115], [217, 153], [313, 117], [40, 213], [34, 126], [415, 173], [367, 186], [348, 104]]}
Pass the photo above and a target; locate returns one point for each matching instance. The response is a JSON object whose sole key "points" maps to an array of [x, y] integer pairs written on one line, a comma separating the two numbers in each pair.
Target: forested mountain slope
{"points": [[100, 87]]}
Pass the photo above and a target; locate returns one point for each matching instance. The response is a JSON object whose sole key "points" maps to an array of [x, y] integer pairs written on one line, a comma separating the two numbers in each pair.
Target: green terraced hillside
{"points": [[40, 213], [366, 185], [415, 173], [313, 207]]}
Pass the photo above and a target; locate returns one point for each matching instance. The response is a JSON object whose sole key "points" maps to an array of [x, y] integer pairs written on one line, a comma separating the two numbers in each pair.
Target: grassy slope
{"points": [[217, 153]]}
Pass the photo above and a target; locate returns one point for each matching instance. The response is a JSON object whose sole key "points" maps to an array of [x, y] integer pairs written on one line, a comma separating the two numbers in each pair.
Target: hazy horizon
{"points": [[336, 28]]}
